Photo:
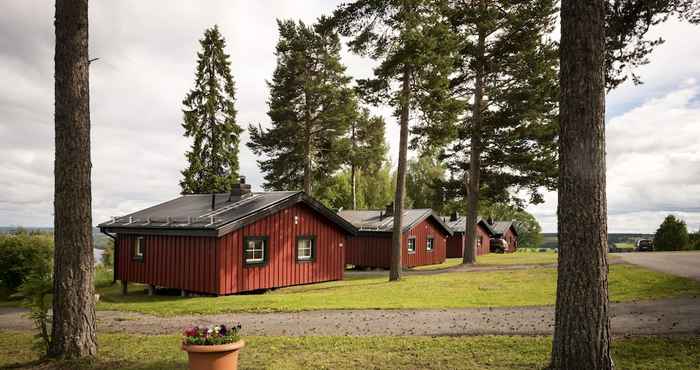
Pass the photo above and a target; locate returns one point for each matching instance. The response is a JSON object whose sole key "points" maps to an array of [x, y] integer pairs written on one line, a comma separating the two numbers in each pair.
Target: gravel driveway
{"points": [[660, 317], [685, 264]]}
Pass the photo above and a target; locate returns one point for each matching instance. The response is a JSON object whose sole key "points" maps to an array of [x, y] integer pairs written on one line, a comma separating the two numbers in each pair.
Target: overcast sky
{"points": [[147, 52]]}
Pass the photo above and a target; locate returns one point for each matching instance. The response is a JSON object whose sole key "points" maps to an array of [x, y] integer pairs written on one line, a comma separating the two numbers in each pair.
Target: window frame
{"points": [[311, 238], [408, 245], [431, 239], [266, 248], [139, 244]]}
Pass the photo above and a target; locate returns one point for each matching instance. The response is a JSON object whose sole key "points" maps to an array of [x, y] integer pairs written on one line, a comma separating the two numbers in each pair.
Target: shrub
{"points": [[23, 254], [108, 255], [35, 292], [672, 235]]}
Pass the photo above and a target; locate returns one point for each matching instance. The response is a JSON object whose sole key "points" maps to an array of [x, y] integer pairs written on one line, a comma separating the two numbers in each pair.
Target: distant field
{"points": [[620, 240]]}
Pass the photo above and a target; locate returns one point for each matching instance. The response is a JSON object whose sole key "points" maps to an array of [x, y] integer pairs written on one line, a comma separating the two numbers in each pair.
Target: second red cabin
{"points": [[424, 240]]}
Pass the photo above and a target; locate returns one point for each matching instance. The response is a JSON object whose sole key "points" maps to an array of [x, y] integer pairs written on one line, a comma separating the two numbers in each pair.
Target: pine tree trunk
{"points": [[307, 165], [73, 333], [353, 179], [582, 326], [396, 238], [353, 169], [469, 256]]}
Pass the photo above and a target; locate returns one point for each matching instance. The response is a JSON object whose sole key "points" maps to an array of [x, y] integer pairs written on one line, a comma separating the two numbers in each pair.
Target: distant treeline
{"points": [[551, 240], [100, 240]]}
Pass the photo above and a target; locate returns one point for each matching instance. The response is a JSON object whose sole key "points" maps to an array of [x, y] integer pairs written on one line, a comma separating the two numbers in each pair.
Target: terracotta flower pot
{"points": [[217, 357]]}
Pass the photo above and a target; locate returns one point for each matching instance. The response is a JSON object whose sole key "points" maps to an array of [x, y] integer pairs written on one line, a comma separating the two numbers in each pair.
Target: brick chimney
{"points": [[389, 210], [454, 216], [240, 190]]}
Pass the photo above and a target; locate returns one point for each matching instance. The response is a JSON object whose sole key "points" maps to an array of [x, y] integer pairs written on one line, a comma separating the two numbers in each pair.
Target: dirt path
{"points": [[661, 317], [685, 264], [467, 268]]}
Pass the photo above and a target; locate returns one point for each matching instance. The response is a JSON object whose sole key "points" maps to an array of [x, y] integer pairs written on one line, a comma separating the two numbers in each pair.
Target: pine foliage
{"points": [[210, 120], [310, 106]]}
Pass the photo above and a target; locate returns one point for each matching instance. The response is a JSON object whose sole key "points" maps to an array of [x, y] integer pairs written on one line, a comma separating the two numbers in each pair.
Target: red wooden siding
{"points": [[509, 236], [215, 265], [181, 262], [281, 267], [374, 250], [456, 241]]}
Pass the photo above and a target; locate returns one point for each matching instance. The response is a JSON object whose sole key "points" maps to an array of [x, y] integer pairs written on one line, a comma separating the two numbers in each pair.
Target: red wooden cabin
{"points": [[456, 242], [246, 241], [505, 233], [424, 238]]}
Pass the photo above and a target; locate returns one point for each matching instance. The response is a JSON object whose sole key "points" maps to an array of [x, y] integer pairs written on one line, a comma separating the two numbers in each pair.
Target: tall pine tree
{"points": [[210, 119], [367, 148], [414, 45], [506, 78], [601, 42], [311, 106]]}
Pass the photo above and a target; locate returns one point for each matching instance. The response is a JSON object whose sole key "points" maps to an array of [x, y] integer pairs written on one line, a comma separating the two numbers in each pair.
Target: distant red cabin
{"points": [[424, 238], [248, 241], [505, 232], [456, 242]]}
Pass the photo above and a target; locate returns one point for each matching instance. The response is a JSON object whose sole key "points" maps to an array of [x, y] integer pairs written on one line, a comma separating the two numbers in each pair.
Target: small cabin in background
{"points": [[424, 237], [505, 234], [456, 242], [230, 242]]}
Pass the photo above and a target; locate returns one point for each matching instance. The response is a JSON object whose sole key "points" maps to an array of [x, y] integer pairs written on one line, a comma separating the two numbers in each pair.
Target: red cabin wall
{"points": [[181, 262], [282, 268], [215, 265], [374, 250], [512, 240], [456, 241]]}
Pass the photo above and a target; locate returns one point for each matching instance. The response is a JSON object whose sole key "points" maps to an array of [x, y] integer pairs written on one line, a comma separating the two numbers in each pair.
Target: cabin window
{"points": [[306, 248], [412, 245], [255, 250], [429, 244], [139, 247]]}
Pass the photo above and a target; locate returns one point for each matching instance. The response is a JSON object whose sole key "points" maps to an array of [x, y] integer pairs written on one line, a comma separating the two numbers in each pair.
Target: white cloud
{"points": [[147, 60], [653, 164]]}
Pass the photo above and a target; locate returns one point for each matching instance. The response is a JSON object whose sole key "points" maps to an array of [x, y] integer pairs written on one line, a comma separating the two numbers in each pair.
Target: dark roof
{"points": [[459, 225], [376, 221], [500, 227], [192, 214]]}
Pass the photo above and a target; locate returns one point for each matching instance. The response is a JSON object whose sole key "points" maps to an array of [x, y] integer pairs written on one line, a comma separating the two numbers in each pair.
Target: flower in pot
{"points": [[213, 348]]}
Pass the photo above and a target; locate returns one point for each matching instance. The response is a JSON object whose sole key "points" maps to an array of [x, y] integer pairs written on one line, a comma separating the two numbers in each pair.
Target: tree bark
{"points": [[582, 326], [353, 169], [73, 333], [396, 238], [469, 255]]}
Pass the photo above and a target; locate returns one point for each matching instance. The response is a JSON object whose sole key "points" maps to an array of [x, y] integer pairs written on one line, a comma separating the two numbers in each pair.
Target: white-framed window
{"points": [[429, 244], [255, 250], [139, 248], [306, 248], [412, 245]]}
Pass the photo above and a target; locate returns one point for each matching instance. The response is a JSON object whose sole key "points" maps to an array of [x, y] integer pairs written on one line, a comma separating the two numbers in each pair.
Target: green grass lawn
{"points": [[121, 351], [624, 245], [496, 259], [532, 287]]}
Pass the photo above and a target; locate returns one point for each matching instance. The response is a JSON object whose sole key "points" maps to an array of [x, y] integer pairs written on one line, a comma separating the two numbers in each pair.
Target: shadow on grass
{"points": [[96, 364]]}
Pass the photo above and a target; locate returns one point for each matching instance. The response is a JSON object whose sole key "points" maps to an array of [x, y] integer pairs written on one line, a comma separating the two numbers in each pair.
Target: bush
{"points": [[694, 241], [672, 235], [108, 255], [35, 292], [23, 254]]}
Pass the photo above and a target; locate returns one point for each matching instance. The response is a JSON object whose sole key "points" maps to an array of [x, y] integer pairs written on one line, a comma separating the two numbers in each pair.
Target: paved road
{"points": [[661, 317], [686, 264]]}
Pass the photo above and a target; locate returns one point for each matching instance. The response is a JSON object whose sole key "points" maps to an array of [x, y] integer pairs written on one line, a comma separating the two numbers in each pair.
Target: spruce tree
{"points": [[310, 106], [367, 148], [210, 120], [414, 45], [506, 78]]}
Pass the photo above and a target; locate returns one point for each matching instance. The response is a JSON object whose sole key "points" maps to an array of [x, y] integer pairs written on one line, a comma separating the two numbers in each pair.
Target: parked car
{"points": [[498, 245], [644, 245]]}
